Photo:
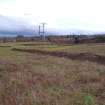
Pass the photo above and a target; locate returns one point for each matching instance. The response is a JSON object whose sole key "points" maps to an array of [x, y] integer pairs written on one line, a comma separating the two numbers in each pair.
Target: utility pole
{"points": [[43, 32], [40, 32], [39, 29]]}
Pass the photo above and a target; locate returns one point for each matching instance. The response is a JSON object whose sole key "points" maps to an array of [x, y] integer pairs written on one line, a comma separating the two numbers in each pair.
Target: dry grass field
{"points": [[45, 79]]}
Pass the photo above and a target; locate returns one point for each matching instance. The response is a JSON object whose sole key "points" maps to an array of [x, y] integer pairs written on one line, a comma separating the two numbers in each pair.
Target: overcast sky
{"points": [[61, 14]]}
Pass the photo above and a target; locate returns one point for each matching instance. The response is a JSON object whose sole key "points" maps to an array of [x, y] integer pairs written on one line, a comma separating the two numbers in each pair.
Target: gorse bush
{"points": [[88, 100]]}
